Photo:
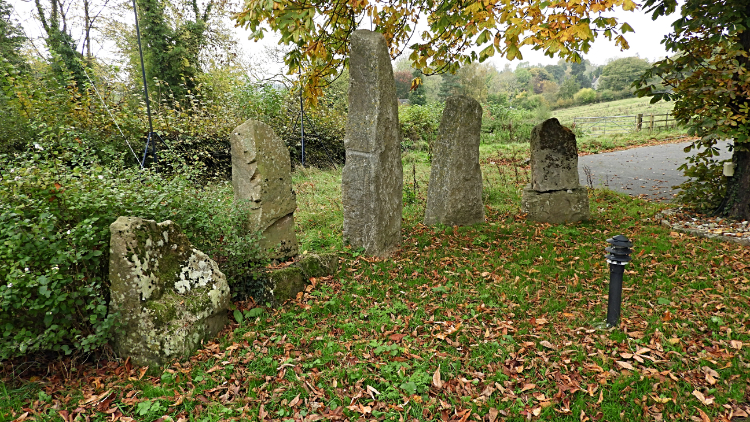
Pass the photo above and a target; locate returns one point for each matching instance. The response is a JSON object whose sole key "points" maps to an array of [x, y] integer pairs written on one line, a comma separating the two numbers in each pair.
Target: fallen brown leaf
{"points": [[624, 365], [527, 387], [547, 344], [704, 416], [397, 337], [492, 415], [436, 381], [707, 401]]}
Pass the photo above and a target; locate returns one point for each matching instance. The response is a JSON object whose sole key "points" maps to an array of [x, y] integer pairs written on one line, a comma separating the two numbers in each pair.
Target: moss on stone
{"points": [[160, 323], [286, 282], [314, 265], [199, 303], [163, 311]]}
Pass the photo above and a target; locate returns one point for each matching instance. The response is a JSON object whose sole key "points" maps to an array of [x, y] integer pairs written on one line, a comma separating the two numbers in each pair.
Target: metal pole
{"points": [[614, 301], [302, 121], [145, 89]]}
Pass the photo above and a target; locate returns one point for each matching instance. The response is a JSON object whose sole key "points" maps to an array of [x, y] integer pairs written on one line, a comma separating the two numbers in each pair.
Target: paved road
{"points": [[648, 172]]}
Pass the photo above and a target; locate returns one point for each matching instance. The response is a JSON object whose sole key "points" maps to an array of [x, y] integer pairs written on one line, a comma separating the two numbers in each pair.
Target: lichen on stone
{"points": [[170, 296]]}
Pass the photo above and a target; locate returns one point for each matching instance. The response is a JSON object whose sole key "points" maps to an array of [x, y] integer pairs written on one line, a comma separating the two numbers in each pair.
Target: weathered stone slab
{"points": [[554, 157], [454, 196], [562, 206], [286, 282], [262, 180], [372, 178], [318, 265], [273, 287], [170, 296]]}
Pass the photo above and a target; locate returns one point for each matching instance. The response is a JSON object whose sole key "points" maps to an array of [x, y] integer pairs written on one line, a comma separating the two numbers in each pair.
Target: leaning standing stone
{"points": [[454, 196], [554, 194], [262, 181], [373, 175], [170, 296]]}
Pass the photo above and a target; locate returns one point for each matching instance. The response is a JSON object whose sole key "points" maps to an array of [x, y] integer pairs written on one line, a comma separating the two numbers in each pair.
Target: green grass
{"points": [[503, 311], [519, 152], [593, 143], [626, 107]]}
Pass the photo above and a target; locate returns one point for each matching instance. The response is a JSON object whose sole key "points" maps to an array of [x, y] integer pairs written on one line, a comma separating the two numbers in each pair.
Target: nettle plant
{"points": [[55, 212]]}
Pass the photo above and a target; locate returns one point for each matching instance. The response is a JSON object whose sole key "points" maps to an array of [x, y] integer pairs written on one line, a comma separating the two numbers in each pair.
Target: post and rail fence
{"points": [[624, 124]]}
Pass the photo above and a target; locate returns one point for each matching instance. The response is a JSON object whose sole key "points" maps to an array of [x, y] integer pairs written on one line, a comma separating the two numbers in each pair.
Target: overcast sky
{"points": [[645, 42]]}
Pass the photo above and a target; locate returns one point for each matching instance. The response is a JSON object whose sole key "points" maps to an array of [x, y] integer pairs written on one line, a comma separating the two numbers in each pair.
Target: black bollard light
{"points": [[618, 257]]}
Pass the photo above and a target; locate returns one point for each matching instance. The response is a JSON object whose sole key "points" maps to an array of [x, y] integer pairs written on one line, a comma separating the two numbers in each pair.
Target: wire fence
{"points": [[624, 124]]}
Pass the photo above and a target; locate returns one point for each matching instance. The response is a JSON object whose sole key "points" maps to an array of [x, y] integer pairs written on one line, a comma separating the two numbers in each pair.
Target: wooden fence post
{"points": [[638, 122], [651, 124]]}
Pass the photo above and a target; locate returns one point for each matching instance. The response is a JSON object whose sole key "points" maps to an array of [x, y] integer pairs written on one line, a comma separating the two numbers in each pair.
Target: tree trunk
{"points": [[87, 29], [738, 189]]}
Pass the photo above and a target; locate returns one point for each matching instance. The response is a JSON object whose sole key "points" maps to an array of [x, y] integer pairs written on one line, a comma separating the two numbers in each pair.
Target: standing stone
{"points": [[372, 178], [554, 194], [262, 181], [170, 296], [554, 157], [454, 196]]}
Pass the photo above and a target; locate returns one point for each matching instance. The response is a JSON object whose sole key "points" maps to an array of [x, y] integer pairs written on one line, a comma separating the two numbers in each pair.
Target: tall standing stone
{"points": [[262, 180], [372, 178], [554, 194], [454, 196]]}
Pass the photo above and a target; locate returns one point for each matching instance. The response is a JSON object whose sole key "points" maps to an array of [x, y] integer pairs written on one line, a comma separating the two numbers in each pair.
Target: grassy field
{"points": [[493, 322], [626, 107]]}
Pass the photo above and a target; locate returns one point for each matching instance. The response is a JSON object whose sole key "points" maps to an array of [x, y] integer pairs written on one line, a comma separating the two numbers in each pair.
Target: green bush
{"points": [[110, 118], [55, 212], [606, 95], [419, 125], [504, 124], [585, 96], [530, 102], [279, 107]]}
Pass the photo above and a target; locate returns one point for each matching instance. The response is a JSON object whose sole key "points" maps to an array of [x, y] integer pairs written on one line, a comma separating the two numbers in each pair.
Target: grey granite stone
{"points": [[454, 196], [562, 206], [262, 181], [170, 296], [372, 178], [554, 157]]}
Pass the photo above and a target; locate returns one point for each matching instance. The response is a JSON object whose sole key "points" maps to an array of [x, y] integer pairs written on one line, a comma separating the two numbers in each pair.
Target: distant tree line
{"points": [[553, 86]]}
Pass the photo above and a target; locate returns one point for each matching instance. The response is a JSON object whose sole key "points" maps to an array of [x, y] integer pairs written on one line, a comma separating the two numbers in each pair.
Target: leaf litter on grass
{"points": [[491, 322]]}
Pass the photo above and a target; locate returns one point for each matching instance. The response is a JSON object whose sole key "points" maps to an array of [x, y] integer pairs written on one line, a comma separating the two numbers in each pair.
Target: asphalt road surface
{"points": [[647, 172]]}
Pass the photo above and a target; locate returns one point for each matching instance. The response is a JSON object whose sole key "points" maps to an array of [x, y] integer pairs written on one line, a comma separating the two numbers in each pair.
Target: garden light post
{"points": [[618, 257]]}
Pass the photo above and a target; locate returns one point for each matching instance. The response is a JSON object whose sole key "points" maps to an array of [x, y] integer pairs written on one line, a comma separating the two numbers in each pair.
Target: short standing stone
{"points": [[170, 296], [554, 157], [454, 196], [554, 194], [262, 180], [372, 178]]}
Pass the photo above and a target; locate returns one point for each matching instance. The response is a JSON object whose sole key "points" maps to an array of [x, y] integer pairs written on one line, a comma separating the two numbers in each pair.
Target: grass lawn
{"points": [[491, 322], [626, 107]]}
